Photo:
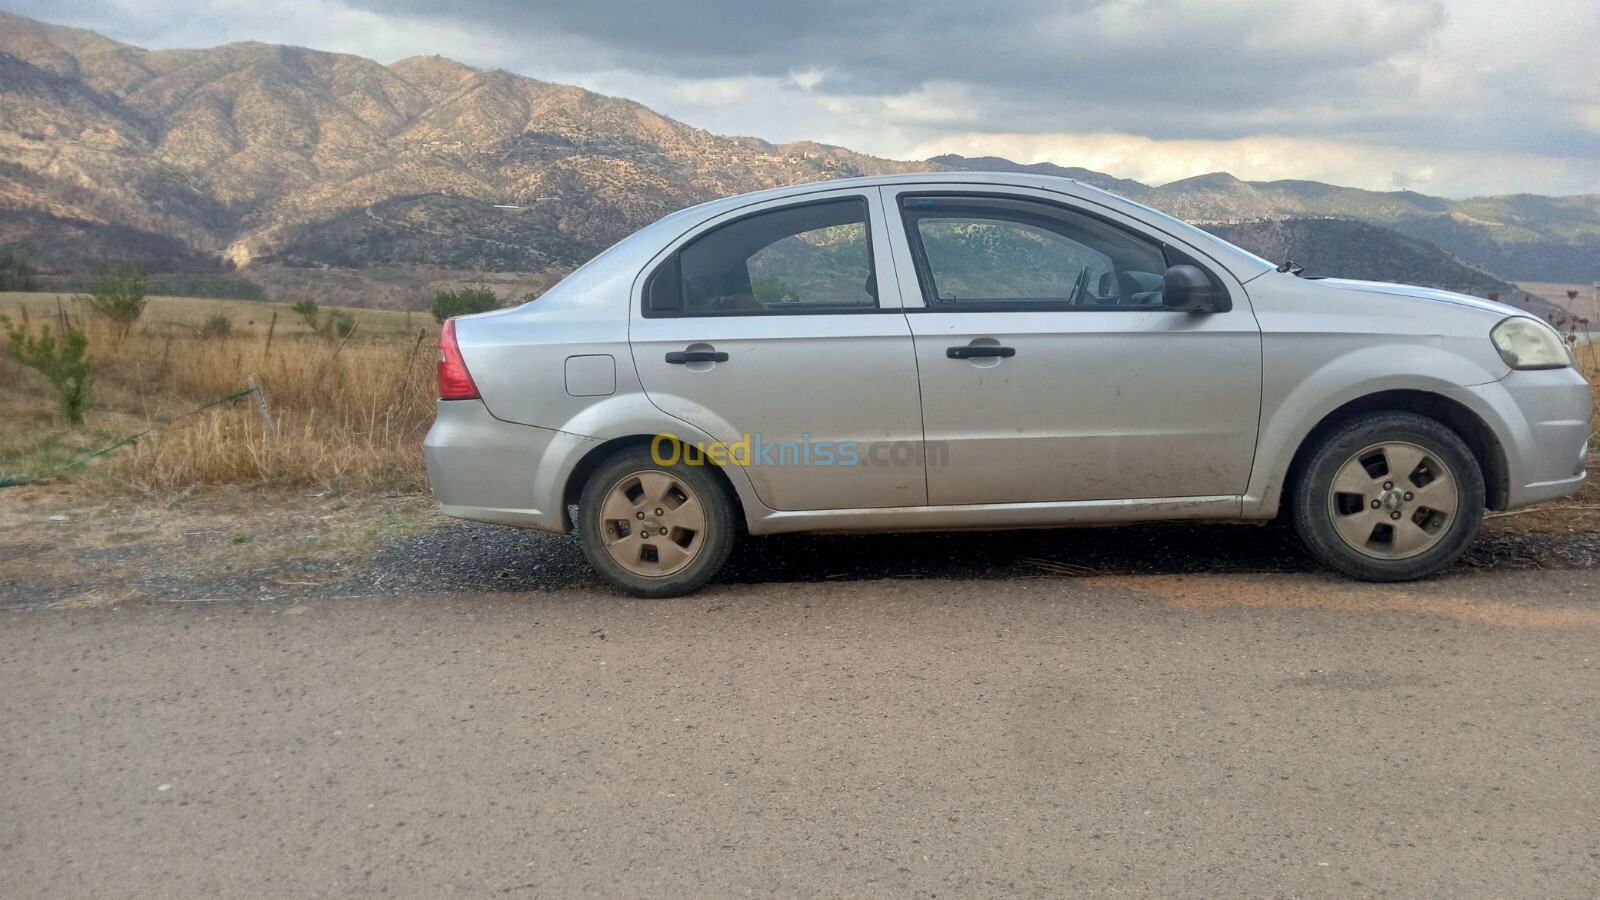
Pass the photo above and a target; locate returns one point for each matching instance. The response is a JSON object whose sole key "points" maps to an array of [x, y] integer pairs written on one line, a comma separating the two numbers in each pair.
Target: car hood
{"points": [[1422, 293]]}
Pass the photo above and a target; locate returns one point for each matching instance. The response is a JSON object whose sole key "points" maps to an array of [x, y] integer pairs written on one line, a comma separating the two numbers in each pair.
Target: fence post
{"points": [[261, 407]]}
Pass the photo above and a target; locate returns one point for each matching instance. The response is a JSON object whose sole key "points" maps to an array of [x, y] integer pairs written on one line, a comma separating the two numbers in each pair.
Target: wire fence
{"points": [[232, 399]]}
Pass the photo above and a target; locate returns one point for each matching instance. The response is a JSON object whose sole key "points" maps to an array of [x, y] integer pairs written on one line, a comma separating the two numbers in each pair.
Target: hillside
{"points": [[252, 153], [1348, 248], [286, 161], [1521, 237]]}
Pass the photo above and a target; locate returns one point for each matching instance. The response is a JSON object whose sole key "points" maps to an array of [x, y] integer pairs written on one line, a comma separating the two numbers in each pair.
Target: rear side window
{"points": [[811, 258]]}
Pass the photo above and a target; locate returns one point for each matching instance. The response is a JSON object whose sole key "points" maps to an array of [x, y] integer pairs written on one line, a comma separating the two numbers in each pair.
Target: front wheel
{"points": [[654, 530], [1389, 497]]}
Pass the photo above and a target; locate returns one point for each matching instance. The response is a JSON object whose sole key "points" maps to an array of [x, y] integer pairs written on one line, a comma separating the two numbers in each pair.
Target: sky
{"points": [[1458, 98]]}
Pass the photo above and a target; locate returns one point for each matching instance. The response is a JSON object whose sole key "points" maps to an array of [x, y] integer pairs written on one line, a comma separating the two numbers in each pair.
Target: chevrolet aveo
{"points": [[969, 351]]}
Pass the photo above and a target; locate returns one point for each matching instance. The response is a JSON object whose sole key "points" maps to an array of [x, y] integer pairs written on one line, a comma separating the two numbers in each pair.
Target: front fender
{"points": [[1294, 404]]}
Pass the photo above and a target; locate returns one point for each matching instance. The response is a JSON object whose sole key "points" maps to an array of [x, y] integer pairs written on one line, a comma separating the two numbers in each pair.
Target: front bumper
{"points": [[488, 470], [1544, 420]]}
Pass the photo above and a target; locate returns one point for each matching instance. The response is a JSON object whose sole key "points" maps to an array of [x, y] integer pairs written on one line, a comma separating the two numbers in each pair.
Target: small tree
{"points": [[17, 269], [466, 301], [64, 364], [307, 311], [120, 295]]}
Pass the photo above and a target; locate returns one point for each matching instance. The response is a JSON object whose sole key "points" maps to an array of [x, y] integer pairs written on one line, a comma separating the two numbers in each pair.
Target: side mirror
{"points": [[1187, 289]]}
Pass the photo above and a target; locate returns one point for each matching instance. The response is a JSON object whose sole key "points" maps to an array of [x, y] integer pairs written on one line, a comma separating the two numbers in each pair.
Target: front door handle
{"points": [[679, 357], [970, 352]]}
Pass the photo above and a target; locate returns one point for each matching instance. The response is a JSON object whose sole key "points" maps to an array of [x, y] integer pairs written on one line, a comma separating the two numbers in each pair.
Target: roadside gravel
{"points": [[476, 558]]}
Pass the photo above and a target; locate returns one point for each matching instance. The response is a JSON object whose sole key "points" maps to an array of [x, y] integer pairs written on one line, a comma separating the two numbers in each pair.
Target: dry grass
{"points": [[349, 415]]}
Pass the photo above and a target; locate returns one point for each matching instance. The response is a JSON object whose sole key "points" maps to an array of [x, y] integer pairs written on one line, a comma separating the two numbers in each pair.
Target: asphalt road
{"points": [[1279, 734]]}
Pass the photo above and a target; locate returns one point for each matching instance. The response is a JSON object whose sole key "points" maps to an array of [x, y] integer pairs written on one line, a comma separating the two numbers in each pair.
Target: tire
{"points": [[1388, 497], [627, 504]]}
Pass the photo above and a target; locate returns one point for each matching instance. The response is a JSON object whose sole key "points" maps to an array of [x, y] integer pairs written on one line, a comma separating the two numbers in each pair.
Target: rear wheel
{"points": [[654, 530], [1389, 497]]}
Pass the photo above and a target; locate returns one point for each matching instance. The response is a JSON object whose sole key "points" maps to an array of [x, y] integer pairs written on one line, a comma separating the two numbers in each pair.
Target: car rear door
{"points": [[1049, 369], [766, 329]]}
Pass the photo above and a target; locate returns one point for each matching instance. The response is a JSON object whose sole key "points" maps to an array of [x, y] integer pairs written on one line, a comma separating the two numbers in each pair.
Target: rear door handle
{"points": [[679, 357], [970, 352]]}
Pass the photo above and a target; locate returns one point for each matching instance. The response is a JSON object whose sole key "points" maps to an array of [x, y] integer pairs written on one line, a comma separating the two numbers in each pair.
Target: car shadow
{"points": [[478, 557], [1133, 549]]}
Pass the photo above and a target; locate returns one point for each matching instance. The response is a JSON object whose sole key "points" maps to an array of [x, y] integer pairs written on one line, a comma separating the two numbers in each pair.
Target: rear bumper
{"points": [[488, 470], [1544, 420]]}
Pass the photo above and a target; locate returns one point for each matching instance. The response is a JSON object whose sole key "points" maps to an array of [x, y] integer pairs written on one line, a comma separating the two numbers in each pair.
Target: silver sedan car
{"points": [[970, 351]]}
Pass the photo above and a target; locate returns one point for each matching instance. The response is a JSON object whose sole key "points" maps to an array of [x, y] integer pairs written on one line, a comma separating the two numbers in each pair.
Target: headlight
{"points": [[1526, 343]]}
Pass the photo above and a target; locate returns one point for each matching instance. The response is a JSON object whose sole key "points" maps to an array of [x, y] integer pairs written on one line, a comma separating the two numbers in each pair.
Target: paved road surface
{"points": [[1281, 734]]}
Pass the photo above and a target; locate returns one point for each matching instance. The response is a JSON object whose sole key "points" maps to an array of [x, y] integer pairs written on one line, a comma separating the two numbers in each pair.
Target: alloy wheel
{"points": [[651, 523], [1393, 500]]}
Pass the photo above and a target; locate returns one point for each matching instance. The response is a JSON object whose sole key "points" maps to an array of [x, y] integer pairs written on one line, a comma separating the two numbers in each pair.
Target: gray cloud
{"points": [[1108, 60], [1162, 68]]}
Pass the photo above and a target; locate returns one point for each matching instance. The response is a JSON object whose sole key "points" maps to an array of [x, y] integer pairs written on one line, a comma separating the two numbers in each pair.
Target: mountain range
{"points": [[283, 162]]}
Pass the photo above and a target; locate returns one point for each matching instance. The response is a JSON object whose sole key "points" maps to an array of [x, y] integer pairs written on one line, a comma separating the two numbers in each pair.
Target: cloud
{"points": [[1172, 65], [1386, 83]]}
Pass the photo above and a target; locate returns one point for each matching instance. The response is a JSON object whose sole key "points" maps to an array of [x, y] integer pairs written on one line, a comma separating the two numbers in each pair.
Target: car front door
{"points": [[765, 330], [1050, 371]]}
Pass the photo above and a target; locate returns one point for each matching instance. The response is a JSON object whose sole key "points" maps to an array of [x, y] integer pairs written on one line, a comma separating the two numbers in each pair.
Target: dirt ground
{"points": [[1269, 734], [297, 694], [63, 547]]}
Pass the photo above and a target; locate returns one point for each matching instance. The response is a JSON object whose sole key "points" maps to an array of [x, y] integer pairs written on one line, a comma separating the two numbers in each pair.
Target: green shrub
{"points": [[329, 323], [466, 301], [216, 327], [120, 295], [769, 289], [64, 364], [342, 323]]}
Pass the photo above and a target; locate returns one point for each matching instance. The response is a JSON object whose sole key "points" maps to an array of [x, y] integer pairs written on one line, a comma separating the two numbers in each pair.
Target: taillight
{"points": [[455, 382]]}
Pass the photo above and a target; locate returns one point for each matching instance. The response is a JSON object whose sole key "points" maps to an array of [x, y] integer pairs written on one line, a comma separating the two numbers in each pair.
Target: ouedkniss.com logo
{"points": [[755, 450]]}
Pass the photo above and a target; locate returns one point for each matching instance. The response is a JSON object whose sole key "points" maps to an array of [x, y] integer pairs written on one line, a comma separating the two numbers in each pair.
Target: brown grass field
{"points": [[350, 414]]}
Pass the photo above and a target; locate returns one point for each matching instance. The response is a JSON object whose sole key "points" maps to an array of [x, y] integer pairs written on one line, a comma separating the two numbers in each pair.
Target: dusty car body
{"points": [[970, 350]]}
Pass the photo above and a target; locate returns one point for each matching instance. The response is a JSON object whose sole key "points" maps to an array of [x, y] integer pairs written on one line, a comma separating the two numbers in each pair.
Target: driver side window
{"points": [[976, 253]]}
